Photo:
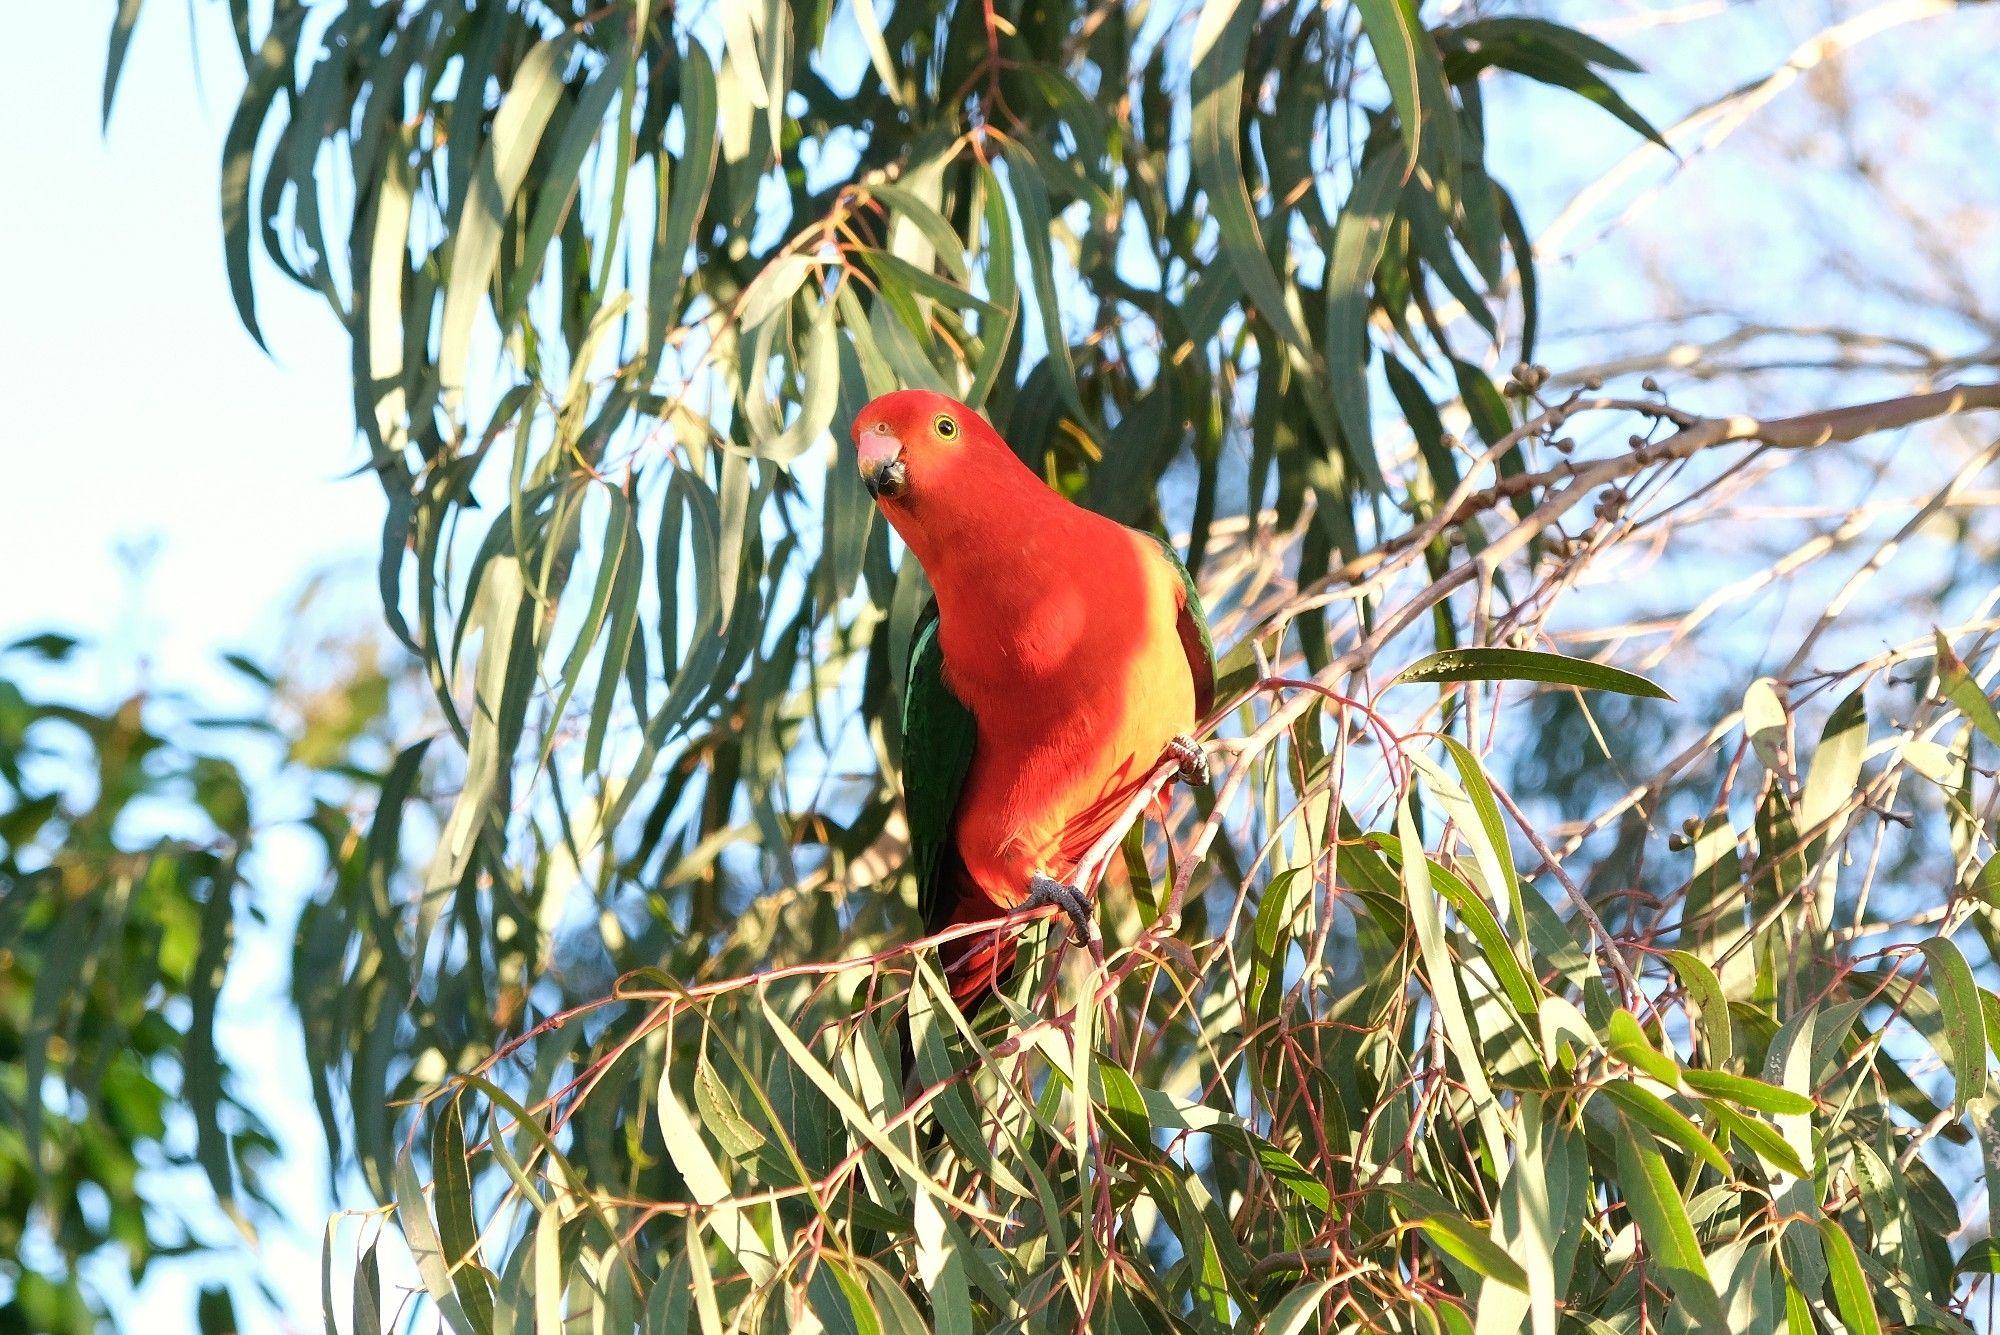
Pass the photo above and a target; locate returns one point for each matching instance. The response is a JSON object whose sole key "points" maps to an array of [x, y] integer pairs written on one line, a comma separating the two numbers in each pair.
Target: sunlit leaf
{"points": [[503, 167], [1850, 1287], [1526, 665], [1964, 1019], [1965, 692]]}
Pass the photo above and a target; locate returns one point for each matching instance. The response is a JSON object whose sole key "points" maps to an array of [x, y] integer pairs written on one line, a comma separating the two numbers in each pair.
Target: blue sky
{"points": [[141, 411]]}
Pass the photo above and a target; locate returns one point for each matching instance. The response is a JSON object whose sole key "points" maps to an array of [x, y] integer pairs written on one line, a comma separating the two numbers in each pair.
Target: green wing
{"points": [[938, 737], [1195, 638]]}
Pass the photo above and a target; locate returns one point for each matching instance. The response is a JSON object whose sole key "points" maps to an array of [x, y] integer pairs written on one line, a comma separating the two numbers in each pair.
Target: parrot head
{"points": [[914, 443]]}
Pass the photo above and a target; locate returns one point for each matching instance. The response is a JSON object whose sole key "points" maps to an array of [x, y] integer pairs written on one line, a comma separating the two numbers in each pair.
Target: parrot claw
{"points": [[1045, 890], [1194, 762]]}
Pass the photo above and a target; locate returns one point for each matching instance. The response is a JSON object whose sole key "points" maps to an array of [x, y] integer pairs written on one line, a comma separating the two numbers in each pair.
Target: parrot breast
{"points": [[1072, 665]]}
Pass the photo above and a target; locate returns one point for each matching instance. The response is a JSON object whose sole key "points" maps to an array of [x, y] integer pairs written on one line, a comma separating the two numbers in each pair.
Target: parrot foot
{"points": [[1045, 890], [1194, 762]]}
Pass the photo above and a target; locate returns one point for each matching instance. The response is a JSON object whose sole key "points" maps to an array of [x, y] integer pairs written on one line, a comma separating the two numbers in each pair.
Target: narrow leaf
{"points": [[1850, 1285], [1526, 665], [1964, 691], [1220, 55], [1964, 1019], [114, 60], [1399, 42], [1747, 1092]]}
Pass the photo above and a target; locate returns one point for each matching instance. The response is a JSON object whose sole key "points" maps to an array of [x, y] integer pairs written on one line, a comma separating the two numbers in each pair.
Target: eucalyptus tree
{"points": [[627, 927]]}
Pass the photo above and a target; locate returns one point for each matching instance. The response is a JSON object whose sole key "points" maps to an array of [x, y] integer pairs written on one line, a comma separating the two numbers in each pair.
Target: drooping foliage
{"points": [[1367, 1048], [115, 937]]}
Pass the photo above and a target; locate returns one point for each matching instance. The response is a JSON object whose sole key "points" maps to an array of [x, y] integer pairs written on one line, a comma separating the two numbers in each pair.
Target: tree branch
{"points": [[1704, 433]]}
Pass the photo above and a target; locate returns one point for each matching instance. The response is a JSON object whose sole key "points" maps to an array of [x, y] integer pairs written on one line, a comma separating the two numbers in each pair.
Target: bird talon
{"points": [[1046, 890], [1193, 760]]}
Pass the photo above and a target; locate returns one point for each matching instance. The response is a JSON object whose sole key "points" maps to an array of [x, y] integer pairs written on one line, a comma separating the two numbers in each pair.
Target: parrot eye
{"points": [[946, 427]]}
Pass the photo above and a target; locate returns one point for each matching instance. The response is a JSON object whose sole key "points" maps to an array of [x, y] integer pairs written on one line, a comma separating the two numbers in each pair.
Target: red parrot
{"points": [[1063, 658]]}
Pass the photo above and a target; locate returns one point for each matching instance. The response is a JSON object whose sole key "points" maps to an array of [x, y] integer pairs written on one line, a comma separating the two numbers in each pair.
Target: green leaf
{"points": [[215, 1314], [269, 72], [1220, 53], [1836, 763], [1981, 1258], [458, 1234], [1442, 972], [1798, 1313], [114, 60], [1964, 1019], [886, 1301], [1400, 43], [1483, 403], [1297, 1309], [1283, 1168], [1546, 53], [1498, 950], [1850, 1285], [1762, 1138], [1789, 1059], [1662, 1217], [1628, 1043], [721, 1117], [547, 1286], [1666, 1122], [773, 287], [819, 374], [67, 955], [1124, 1107], [1985, 1112], [1525, 665], [858, 1119], [1487, 833], [1764, 722], [501, 686], [1523, 250], [1830, 786], [624, 647], [908, 206], [202, 1064], [1533, 31], [1704, 990], [426, 1248], [1031, 201], [1526, 1226], [617, 568], [453, 1184], [56, 647], [878, 49], [367, 1298], [387, 407], [1963, 690], [496, 183], [686, 189], [1359, 237], [557, 186], [1746, 1092], [841, 1304], [706, 1180], [1468, 1243], [996, 336], [942, 1266]]}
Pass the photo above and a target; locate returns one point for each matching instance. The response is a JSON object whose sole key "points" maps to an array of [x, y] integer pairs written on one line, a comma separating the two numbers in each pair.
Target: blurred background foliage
{"points": [[131, 851], [1679, 1026]]}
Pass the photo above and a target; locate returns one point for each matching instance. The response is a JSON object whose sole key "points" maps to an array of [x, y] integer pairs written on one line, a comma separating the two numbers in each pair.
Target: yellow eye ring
{"points": [[946, 427]]}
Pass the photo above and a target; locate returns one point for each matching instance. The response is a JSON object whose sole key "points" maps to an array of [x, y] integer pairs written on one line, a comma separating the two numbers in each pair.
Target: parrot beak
{"points": [[883, 471]]}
